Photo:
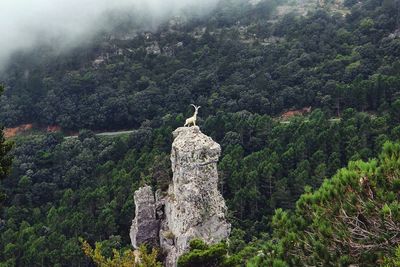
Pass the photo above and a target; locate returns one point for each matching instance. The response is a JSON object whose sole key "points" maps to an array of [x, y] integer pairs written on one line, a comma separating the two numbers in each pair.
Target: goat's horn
{"points": [[193, 106]]}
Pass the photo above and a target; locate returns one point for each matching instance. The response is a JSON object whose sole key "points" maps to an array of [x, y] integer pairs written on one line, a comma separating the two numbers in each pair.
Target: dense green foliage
{"points": [[203, 255], [5, 147], [243, 61], [5, 162], [126, 258], [345, 67], [393, 260], [354, 218], [61, 190], [5, 159], [282, 158]]}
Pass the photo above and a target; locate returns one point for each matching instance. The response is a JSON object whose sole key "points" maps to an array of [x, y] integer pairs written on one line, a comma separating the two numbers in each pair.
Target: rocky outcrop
{"points": [[193, 206], [145, 226]]}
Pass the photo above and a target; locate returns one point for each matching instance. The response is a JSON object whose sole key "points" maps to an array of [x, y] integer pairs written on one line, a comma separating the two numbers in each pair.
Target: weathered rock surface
{"points": [[145, 226], [193, 206]]}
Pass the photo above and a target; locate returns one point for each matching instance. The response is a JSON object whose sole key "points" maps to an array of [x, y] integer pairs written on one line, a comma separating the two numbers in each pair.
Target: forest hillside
{"points": [[293, 91]]}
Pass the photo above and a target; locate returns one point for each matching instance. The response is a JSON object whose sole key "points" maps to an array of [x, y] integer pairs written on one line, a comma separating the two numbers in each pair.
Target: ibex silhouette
{"points": [[192, 120]]}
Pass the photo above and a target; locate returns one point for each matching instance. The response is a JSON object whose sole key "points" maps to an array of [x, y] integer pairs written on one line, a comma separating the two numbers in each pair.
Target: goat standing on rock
{"points": [[192, 120]]}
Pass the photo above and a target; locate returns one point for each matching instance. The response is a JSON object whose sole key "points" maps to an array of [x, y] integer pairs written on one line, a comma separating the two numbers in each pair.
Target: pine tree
{"points": [[353, 218]]}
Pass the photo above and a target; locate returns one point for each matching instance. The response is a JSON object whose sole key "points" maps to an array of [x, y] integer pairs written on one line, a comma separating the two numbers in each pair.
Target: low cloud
{"points": [[65, 23]]}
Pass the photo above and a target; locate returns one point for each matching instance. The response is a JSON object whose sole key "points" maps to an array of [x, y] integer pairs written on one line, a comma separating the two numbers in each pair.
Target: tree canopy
{"points": [[292, 98]]}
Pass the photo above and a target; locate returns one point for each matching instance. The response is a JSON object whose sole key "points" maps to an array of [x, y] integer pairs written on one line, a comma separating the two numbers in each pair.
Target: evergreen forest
{"points": [[305, 104]]}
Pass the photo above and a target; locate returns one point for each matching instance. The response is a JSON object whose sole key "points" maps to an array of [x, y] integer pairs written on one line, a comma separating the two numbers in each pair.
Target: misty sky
{"points": [[26, 23]]}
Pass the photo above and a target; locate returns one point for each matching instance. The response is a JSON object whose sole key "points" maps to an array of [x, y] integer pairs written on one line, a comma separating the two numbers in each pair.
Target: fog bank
{"points": [[66, 23]]}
